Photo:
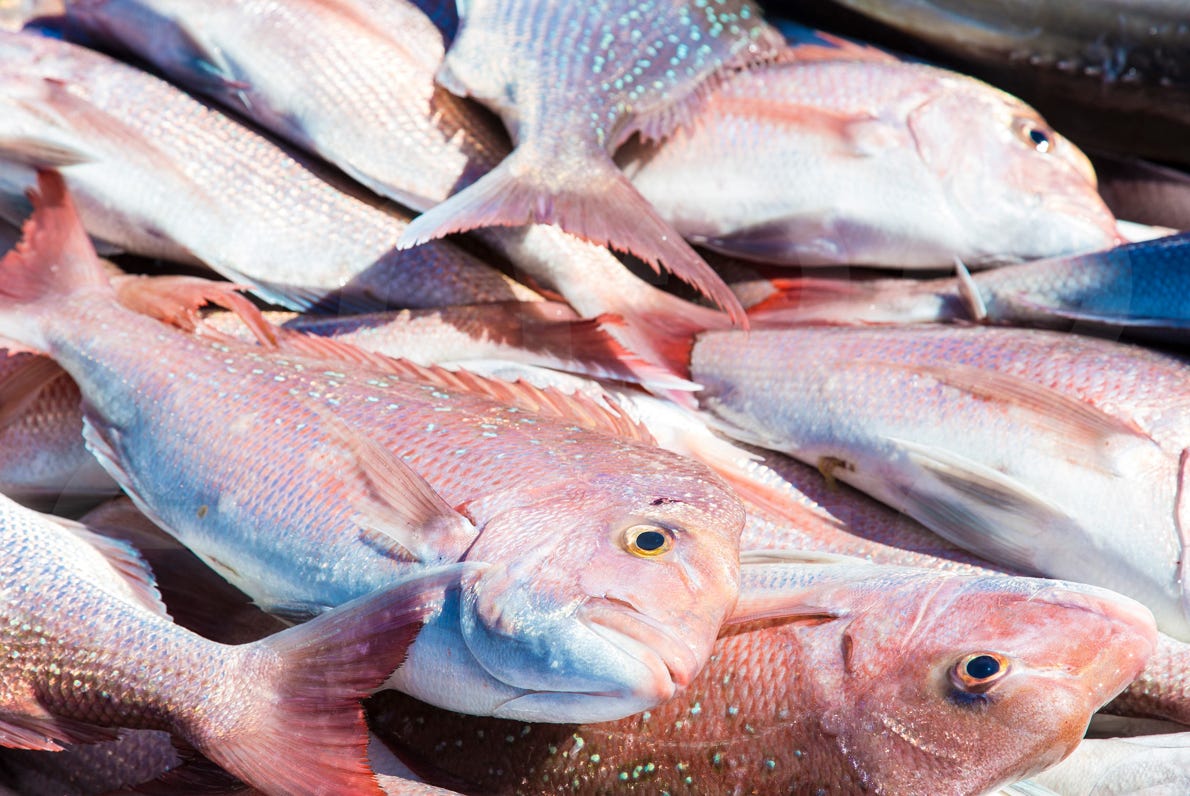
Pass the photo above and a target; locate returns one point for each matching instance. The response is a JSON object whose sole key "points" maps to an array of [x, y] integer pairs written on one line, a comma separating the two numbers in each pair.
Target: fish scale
{"points": [[1049, 453], [153, 183], [310, 474]]}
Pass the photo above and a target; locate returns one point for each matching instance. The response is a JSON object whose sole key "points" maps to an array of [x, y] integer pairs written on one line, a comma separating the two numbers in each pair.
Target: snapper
{"points": [[844, 154], [904, 681], [88, 648], [307, 479]]}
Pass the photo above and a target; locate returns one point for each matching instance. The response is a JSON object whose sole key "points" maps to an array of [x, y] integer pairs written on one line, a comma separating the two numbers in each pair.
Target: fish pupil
{"points": [[982, 667], [1040, 140], [650, 541]]}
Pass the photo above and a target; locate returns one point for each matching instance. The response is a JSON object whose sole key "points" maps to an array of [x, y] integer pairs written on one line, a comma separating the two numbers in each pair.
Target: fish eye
{"points": [[978, 671], [648, 541], [1035, 135]]}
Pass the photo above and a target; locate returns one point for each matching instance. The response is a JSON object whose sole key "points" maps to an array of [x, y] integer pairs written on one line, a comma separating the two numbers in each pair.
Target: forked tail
{"points": [[595, 201]]}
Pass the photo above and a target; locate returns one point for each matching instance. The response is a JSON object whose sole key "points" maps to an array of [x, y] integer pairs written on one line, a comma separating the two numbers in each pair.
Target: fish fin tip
{"points": [[175, 300], [54, 257], [664, 332], [328, 665], [40, 154], [795, 297], [602, 207], [126, 561], [969, 293]]}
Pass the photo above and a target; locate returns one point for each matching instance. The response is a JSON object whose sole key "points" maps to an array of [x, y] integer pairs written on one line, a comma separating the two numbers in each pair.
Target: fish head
{"points": [[597, 604], [1017, 189], [995, 677]]}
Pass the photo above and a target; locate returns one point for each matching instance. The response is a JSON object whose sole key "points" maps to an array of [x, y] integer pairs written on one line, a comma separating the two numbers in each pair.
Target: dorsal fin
{"points": [[835, 48], [576, 409]]}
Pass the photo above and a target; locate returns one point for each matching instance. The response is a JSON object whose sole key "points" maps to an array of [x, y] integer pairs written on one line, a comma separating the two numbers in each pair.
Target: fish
{"points": [[1135, 290], [133, 758], [451, 141], [1110, 72], [839, 154], [846, 700], [566, 114], [89, 649], [544, 333], [42, 455], [1055, 454], [151, 169], [337, 477]]}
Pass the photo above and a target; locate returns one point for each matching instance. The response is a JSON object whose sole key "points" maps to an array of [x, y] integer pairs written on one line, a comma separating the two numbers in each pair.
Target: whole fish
{"points": [[843, 154], [336, 478], [572, 83], [88, 648], [42, 456], [152, 168], [889, 697], [1112, 73], [1137, 289], [1059, 455]]}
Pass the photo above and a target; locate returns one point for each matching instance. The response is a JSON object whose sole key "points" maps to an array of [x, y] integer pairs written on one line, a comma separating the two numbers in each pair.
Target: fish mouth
{"points": [[671, 660]]}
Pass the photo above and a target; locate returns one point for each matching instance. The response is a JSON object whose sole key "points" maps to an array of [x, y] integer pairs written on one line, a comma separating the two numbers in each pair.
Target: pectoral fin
{"points": [[983, 510]]}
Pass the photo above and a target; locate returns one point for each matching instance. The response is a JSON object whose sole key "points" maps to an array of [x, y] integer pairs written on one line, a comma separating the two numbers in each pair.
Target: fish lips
{"points": [[592, 659]]}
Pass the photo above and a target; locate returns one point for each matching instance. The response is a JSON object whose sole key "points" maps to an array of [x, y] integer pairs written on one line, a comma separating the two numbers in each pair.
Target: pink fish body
{"points": [[879, 699], [151, 165], [87, 649], [572, 82], [1044, 452], [845, 155], [334, 479]]}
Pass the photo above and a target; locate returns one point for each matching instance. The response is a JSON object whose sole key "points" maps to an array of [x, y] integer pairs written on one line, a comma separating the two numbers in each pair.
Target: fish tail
{"points": [[54, 259], [307, 733], [598, 204]]}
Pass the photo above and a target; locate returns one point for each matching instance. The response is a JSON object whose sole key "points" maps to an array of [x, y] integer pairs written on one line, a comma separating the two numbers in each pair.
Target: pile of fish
{"points": [[306, 492]]}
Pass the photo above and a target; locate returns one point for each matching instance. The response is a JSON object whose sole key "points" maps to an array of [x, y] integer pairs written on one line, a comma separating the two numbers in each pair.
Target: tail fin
{"points": [[307, 734], [54, 259], [597, 203]]}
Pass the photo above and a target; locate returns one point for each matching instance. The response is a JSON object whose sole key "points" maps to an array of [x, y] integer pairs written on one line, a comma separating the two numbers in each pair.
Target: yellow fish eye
{"points": [[648, 541], [979, 671]]}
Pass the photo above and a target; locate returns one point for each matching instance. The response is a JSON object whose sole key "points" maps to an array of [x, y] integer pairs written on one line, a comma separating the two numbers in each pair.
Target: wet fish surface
{"points": [[105, 656], [572, 82], [860, 702], [336, 479], [842, 154], [983, 435], [152, 175]]}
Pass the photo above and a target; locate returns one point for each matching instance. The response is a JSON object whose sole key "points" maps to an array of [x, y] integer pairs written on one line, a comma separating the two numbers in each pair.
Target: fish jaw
{"points": [[588, 629], [1065, 649]]}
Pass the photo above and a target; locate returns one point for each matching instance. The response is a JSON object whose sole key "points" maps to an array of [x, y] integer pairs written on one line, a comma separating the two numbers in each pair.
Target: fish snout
{"points": [[575, 661], [1131, 631]]}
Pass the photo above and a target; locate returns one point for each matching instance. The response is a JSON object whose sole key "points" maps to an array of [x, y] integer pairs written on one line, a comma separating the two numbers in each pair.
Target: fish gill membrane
{"points": [[1071, 459], [882, 679], [640, 546], [107, 657], [843, 154]]}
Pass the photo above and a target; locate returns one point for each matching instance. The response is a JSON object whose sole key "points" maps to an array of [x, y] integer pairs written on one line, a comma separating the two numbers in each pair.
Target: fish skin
{"points": [[376, 64], [42, 455], [310, 497], [136, 757], [842, 154], [877, 409], [440, 133], [566, 114], [153, 181], [845, 716], [1136, 290], [252, 697]]}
